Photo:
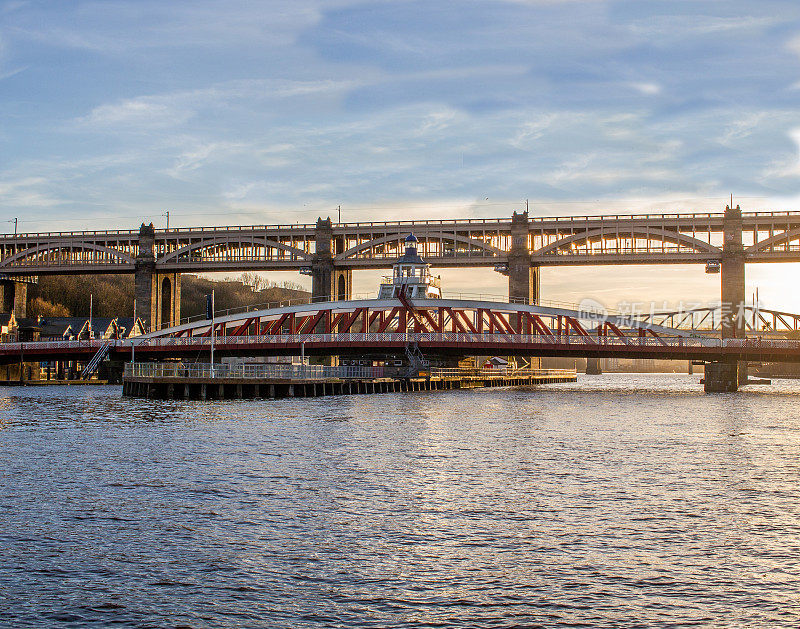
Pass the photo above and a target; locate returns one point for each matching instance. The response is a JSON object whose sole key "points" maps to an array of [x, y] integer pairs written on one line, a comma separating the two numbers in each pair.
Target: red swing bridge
{"points": [[435, 331]]}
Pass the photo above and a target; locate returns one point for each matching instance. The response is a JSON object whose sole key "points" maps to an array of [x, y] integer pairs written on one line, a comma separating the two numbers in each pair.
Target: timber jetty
{"points": [[198, 381]]}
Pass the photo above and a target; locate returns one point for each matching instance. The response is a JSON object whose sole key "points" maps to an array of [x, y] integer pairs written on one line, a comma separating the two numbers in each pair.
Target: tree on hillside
{"points": [[112, 295], [39, 307]]}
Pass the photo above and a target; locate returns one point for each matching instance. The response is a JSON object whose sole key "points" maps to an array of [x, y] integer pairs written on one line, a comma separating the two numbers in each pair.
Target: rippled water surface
{"points": [[619, 501]]}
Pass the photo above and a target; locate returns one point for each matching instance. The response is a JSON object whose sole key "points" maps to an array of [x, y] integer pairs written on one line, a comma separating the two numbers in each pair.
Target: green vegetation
{"points": [[112, 295]]}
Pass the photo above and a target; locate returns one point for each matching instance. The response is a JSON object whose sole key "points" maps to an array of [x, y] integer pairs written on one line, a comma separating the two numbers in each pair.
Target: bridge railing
{"points": [[469, 340], [399, 225], [86, 345], [465, 338]]}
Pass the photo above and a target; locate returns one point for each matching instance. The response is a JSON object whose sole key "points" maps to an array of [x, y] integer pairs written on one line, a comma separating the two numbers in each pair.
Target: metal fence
{"points": [[498, 372], [251, 371], [312, 372]]}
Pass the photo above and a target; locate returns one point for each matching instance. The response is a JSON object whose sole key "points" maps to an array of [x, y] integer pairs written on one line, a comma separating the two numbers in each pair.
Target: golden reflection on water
{"points": [[616, 501]]}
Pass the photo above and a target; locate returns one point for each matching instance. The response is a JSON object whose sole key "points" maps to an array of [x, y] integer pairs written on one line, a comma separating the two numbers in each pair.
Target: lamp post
{"points": [[213, 308], [133, 326]]}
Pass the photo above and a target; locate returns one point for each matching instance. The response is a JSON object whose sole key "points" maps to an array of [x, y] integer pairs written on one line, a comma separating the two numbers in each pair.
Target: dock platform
{"points": [[200, 382]]}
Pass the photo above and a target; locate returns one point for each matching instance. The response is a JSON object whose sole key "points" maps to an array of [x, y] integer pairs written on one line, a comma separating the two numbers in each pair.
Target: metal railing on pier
{"points": [[261, 371], [253, 371], [498, 372]]}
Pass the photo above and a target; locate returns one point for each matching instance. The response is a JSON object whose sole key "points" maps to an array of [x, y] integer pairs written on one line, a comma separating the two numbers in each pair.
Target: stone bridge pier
{"points": [[329, 283], [158, 295], [523, 277], [14, 297], [728, 376]]}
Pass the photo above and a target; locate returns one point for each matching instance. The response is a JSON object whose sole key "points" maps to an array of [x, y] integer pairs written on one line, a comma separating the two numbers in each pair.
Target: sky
{"points": [[251, 112]]}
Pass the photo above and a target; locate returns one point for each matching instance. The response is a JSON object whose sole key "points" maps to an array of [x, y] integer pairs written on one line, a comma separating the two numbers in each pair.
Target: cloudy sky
{"points": [[112, 112]]}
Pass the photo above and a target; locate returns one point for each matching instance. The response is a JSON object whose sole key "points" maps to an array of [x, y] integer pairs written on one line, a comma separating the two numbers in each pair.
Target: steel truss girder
{"points": [[426, 316]]}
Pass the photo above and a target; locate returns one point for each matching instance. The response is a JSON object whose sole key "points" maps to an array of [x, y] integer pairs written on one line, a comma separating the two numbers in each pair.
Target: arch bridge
{"points": [[517, 247]]}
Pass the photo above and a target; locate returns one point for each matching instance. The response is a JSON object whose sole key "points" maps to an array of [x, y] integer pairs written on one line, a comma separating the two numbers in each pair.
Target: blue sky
{"points": [[263, 112]]}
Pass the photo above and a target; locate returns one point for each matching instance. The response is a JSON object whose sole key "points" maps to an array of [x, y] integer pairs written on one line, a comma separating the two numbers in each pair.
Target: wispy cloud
{"points": [[146, 112], [172, 109], [26, 192], [742, 128], [689, 26], [649, 89], [787, 166], [367, 101], [124, 25]]}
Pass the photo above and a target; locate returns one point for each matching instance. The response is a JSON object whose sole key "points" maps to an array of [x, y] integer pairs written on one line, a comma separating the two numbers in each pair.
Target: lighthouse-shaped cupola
{"points": [[411, 273]]}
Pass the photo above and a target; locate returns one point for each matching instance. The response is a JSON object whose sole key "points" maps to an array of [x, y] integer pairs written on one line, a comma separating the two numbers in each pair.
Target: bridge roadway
{"points": [[438, 327]]}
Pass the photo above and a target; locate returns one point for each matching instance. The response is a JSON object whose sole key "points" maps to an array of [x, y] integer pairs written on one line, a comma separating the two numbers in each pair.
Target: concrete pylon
{"points": [[523, 277], [329, 283], [158, 295]]}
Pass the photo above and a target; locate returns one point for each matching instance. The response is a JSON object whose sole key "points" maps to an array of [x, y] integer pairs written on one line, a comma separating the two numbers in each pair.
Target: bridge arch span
{"points": [[447, 238], [784, 238], [663, 235], [39, 253], [229, 244]]}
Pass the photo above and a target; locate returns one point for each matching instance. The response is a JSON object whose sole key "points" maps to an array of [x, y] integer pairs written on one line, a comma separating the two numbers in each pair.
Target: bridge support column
{"points": [[329, 283], [158, 295], [523, 277], [342, 284], [722, 377], [732, 292], [732, 281], [322, 262], [593, 367], [166, 302], [144, 270], [14, 298]]}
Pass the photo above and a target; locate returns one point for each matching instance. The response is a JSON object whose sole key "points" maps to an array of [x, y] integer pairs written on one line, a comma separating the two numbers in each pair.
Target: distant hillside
{"points": [[112, 295], [248, 290]]}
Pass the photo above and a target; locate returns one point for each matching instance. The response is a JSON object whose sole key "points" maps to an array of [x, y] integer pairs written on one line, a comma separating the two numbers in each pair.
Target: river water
{"points": [[617, 501]]}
